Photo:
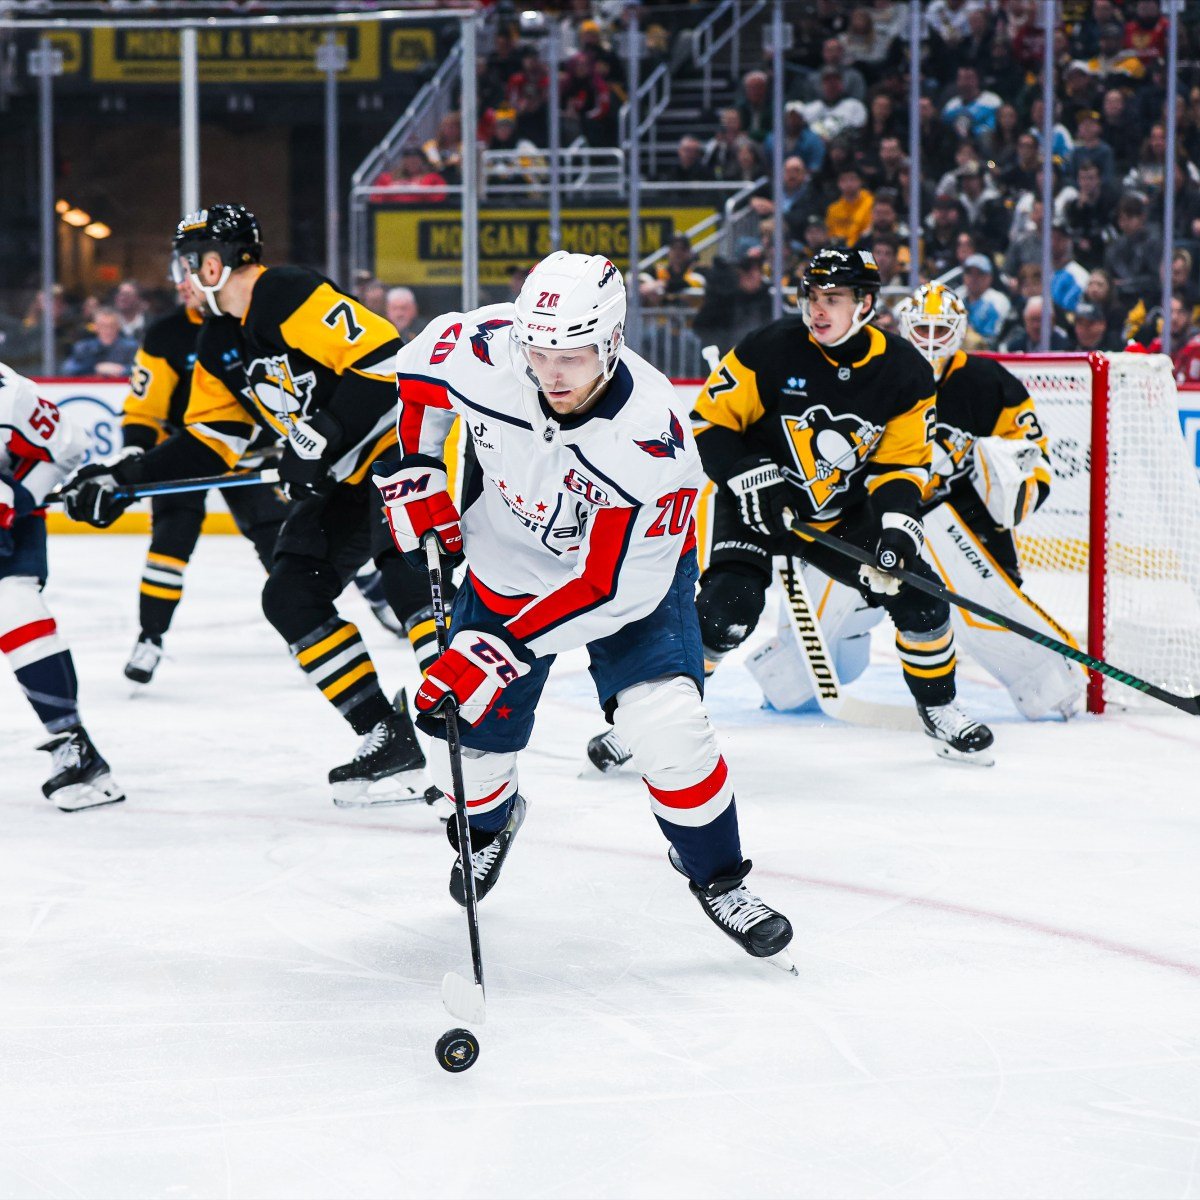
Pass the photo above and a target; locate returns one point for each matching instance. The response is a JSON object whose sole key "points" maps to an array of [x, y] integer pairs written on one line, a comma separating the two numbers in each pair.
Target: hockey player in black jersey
{"points": [[159, 389], [991, 459], [826, 418], [317, 369], [991, 472]]}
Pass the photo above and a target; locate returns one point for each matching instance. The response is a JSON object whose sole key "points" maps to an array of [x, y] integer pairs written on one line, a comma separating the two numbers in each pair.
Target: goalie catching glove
{"points": [[899, 545], [762, 495], [416, 493], [471, 674], [1003, 475]]}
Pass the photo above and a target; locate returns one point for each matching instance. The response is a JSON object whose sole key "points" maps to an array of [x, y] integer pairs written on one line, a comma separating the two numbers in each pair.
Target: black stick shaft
{"points": [[1187, 704], [198, 483], [433, 564]]}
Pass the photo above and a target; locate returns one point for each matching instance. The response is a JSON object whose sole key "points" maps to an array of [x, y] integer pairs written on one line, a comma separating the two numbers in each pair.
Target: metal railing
{"points": [[711, 230], [667, 340], [654, 96], [708, 43], [417, 123], [527, 172]]}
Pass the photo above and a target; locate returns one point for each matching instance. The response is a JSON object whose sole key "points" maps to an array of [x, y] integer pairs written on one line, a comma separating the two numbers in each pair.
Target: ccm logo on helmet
{"points": [[541, 328]]}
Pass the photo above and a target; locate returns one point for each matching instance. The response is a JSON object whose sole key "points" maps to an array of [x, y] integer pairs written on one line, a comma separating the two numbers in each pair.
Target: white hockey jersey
{"points": [[573, 527], [39, 448]]}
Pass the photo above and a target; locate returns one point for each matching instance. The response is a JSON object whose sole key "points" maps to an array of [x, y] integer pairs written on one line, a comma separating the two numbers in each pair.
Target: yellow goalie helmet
{"points": [[934, 319]]}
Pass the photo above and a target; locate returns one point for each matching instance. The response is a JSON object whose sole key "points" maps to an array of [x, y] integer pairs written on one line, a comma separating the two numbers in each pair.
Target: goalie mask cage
{"points": [[1114, 552]]}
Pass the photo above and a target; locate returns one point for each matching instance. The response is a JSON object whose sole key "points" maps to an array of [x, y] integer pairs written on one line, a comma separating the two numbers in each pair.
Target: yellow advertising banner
{"points": [[248, 56], [424, 246]]}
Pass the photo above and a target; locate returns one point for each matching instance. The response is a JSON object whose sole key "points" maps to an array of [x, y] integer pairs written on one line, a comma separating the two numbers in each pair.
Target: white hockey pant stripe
{"points": [[490, 778], [666, 727], [21, 604]]}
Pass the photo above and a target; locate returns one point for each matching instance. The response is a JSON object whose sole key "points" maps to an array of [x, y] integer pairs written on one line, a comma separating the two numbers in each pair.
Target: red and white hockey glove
{"points": [[472, 673], [416, 495]]}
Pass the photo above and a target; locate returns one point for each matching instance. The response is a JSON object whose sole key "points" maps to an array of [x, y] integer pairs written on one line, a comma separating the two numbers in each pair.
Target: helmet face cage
{"points": [[934, 320]]}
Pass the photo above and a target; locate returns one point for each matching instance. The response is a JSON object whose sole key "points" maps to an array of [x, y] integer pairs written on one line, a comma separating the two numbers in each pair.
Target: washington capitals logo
{"points": [[609, 272], [481, 337], [666, 445]]}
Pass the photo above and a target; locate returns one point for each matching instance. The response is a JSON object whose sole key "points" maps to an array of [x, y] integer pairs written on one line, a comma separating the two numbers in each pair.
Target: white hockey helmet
{"points": [[570, 301], [934, 319]]}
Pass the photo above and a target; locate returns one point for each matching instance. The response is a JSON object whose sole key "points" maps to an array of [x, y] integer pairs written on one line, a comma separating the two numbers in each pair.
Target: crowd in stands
{"points": [[846, 169]]}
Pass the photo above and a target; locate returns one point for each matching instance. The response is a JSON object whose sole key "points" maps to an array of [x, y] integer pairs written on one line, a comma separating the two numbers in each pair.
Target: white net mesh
{"points": [[1152, 576]]}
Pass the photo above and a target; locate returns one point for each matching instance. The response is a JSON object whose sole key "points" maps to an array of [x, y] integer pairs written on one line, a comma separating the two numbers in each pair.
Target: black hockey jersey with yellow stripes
{"points": [[841, 422], [161, 379], [979, 397], [303, 347]]}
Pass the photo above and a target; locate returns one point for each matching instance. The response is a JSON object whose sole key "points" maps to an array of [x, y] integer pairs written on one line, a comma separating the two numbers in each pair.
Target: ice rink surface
{"points": [[228, 987]]}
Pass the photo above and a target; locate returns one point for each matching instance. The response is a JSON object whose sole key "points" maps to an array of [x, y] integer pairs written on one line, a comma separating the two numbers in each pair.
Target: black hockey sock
{"points": [[707, 851], [335, 659], [49, 685], [928, 660], [160, 593]]}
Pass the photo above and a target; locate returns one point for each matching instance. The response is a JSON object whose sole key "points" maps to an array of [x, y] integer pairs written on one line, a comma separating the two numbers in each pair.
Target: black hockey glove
{"points": [[762, 495], [312, 446], [899, 546], [93, 496]]}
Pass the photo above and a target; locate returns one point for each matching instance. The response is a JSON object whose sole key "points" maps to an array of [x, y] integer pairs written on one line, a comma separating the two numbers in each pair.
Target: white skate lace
{"points": [[951, 720], [145, 656], [66, 755], [739, 908], [482, 860], [372, 740]]}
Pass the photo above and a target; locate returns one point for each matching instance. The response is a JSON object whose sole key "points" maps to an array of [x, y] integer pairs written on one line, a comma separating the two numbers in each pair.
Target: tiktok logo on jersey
{"points": [[277, 389], [827, 451]]}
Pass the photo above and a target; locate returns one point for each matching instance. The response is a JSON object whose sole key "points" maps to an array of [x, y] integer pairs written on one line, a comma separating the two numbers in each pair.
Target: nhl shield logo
{"points": [[827, 451], [843, 373]]}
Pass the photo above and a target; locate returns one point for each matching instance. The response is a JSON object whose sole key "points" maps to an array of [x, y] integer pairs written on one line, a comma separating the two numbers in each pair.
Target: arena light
{"points": [[61, 206], [98, 230], [77, 217]]}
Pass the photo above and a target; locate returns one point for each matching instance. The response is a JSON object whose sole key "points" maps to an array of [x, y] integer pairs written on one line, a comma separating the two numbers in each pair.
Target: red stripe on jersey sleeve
{"points": [[22, 447], [696, 795], [412, 417], [422, 391], [607, 544]]}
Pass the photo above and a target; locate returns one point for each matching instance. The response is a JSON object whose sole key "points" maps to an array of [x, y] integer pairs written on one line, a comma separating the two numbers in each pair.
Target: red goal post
{"points": [[1114, 553]]}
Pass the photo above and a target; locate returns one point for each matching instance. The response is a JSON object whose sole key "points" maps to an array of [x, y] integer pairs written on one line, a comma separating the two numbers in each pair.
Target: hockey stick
{"points": [[1187, 704], [822, 674], [199, 483], [461, 999]]}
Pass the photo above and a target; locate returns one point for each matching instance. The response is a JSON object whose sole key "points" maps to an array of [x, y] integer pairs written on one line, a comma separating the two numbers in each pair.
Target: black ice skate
{"points": [[736, 910], [81, 777], [147, 652], [488, 852], [606, 752], [388, 768], [959, 738]]}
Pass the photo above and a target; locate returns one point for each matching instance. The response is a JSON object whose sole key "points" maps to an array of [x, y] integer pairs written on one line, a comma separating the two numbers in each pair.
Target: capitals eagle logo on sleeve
{"points": [[666, 444], [483, 335]]}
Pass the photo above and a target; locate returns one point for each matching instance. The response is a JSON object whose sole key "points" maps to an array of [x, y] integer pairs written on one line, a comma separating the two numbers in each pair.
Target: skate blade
{"points": [[79, 796], [978, 758], [463, 999], [380, 793], [783, 960]]}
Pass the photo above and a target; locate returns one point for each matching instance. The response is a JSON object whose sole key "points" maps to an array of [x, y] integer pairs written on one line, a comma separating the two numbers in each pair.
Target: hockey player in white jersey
{"points": [[578, 530], [38, 449]]}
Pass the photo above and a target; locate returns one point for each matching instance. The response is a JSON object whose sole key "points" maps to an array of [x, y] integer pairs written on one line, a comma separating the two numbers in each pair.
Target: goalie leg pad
{"points": [[39, 657], [673, 745], [489, 779], [1040, 682]]}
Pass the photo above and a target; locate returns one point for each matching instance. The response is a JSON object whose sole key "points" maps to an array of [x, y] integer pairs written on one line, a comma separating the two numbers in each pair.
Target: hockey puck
{"points": [[457, 1050]]}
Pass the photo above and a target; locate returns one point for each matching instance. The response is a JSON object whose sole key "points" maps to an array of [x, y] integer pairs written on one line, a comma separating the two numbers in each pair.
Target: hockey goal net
{"points": [[1114, 553]]}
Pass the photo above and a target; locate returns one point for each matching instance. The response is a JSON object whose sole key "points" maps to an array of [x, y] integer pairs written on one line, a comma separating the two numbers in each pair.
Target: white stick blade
{"points": [[463, 999]]}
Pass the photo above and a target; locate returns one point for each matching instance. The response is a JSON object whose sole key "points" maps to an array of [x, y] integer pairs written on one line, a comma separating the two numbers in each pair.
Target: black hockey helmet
{"points": [[229, 229], [834, 268]]}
